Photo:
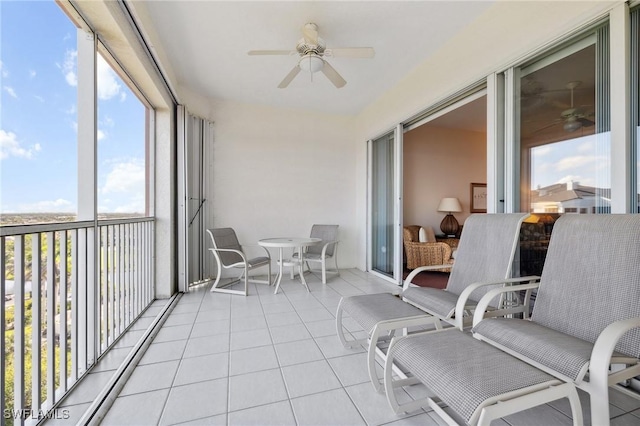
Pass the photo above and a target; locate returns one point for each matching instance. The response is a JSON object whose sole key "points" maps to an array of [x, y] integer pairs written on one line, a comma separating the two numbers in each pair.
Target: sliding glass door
{"points": [[564, 131], [384, 215]]}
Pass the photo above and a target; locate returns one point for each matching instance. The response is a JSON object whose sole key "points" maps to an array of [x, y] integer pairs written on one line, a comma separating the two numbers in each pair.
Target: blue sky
{"points": [[584, 160], [38, 118]]}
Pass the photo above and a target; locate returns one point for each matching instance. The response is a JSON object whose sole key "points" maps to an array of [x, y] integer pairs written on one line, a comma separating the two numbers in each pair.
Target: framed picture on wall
{"points": [[478, 198]]}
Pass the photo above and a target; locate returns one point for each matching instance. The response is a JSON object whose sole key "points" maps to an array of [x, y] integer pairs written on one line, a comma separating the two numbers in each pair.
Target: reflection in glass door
{"points": [[382, 204], [564, 133]]}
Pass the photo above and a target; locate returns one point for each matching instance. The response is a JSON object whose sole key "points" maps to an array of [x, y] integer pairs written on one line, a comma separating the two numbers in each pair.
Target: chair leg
{"points": [[246, 281], [340, 329], [599, 407], [324, 271]]}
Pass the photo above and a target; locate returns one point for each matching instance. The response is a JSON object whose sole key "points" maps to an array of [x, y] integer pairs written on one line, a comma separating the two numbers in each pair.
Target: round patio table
{"points": [[289, 242]]}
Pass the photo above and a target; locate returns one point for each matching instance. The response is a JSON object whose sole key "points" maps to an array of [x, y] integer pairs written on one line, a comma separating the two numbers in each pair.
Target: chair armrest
{"points": [[257, 245], [244, 258], [603, 350], [324, 248], [483, 304], [407, 282]]}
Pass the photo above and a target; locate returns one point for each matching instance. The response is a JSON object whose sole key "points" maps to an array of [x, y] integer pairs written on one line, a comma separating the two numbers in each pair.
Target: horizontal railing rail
{"points": [[70, 290]]}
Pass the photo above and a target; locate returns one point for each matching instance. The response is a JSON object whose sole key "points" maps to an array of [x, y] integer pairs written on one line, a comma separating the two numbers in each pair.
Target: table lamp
{"points": [[449, 225]]}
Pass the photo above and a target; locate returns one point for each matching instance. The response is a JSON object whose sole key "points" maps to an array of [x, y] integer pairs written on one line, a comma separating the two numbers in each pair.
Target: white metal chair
{"points": [[584, 332], [320, 253], [229, 254], [484, 261]]}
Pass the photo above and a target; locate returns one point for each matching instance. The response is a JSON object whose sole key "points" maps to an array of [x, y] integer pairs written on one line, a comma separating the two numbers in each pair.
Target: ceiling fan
{"points": [[312, 51], [572, 118]]}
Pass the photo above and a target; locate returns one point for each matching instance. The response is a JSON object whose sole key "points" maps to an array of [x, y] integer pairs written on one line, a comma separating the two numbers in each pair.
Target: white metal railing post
{"points": [[112, 281], [92, 304], [63, 310], [51, 318], [102, 287], [3, 323], [74, 307], [18, 326], [81, 321], [36, 320]]}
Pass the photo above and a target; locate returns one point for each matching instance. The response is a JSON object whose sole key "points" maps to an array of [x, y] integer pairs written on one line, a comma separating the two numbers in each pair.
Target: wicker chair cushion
{"points": [[463, 371], [427, 254]]}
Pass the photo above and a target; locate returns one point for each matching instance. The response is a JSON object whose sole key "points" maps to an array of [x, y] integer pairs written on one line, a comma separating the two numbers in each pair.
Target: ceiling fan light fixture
{"points": [[311, 63], [571, 125]]}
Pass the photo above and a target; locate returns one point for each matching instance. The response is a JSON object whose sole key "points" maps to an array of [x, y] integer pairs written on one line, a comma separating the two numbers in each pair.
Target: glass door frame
{"points": [[397, 205]]}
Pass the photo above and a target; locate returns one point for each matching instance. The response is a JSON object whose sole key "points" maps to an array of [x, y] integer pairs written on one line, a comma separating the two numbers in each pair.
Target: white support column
{"points": [[511, 145], [87, 179], [621, 163], [87, 192], [495, 144]]}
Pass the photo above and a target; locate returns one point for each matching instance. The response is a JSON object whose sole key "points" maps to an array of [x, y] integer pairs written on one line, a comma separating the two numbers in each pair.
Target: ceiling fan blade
{"points": [[271, 52], [310, 34], [289, 78], [586, 122], [555, 123], [351, 52], [333, 75]]}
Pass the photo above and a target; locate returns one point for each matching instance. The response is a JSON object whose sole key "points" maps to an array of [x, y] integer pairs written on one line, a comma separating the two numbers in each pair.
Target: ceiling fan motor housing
{"points": [[305, 48]]}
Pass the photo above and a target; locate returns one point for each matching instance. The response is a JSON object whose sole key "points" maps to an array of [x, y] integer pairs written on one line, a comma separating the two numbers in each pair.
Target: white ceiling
{"points": [[207, 43]]}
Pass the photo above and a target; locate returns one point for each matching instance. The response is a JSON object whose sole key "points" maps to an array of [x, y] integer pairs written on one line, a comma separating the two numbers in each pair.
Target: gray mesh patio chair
{"points": [[229, 254], [584, 331], [484, 260], [320, 253], [585, 324]]}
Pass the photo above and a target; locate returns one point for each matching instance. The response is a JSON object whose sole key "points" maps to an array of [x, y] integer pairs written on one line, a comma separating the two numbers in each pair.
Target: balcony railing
{"points": [[69, 291]]}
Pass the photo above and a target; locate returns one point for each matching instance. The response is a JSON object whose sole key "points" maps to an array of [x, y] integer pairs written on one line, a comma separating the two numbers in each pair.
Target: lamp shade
{"points": [[450, 205]]}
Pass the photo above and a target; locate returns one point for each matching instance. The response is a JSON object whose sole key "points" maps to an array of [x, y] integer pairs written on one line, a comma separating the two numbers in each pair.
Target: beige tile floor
{"points": [[272, 359]]}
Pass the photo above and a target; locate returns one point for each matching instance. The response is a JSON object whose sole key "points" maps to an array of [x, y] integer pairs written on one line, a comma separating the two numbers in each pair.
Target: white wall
{"points": [[438, 163], [276, 172]]}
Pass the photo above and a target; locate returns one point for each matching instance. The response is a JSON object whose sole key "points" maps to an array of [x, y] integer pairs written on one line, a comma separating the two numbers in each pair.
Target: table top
{"points": [[289, 242]]}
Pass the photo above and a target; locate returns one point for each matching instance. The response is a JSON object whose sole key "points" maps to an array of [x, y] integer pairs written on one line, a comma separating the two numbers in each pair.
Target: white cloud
{"points": [[32, 73], [574, 162], [108, 121], [50, 206], [101, 135], [539, 151], [72, 110], [570, 178], [10, 91], [69, 67], [125, 177], [108, 85], [3, 70], [40, 98], [10, 146], [126, 185]]}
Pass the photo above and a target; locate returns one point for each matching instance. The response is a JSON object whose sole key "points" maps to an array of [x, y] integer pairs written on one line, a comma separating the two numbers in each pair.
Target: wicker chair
{"points": [[425, 254]]}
